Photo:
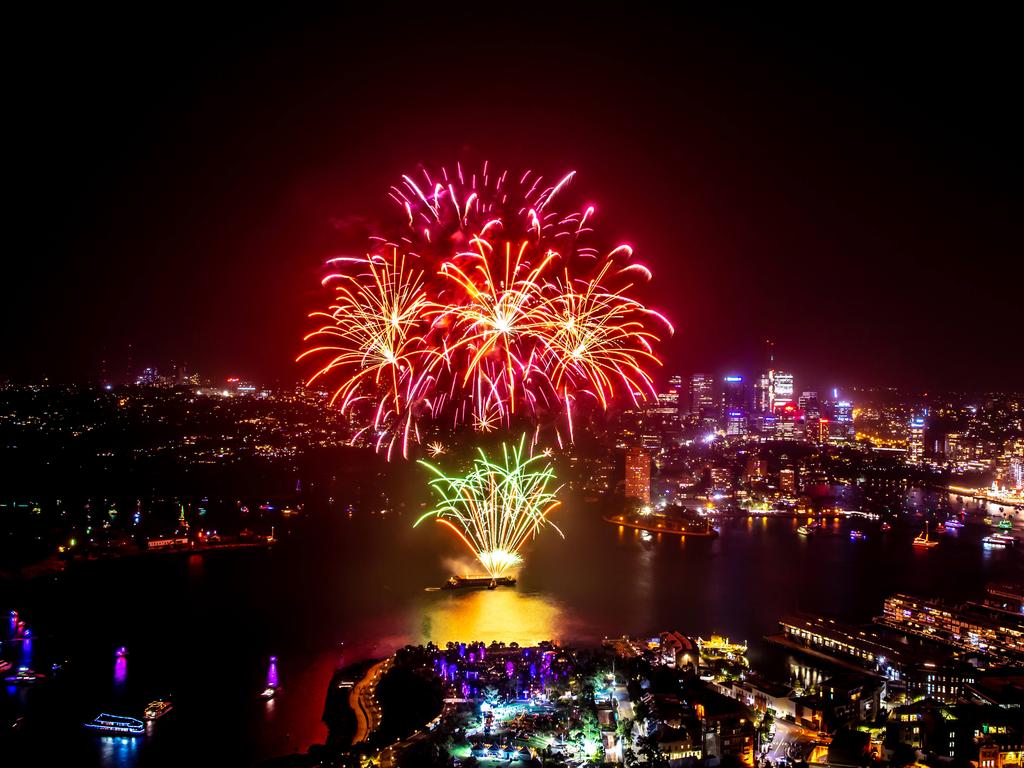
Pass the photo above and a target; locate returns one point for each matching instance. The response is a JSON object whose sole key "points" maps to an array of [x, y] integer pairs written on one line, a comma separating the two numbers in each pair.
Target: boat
{"points": [[1006, 524], [940, 528], [116, 725], [1005, 538], [269, 692], [479, 582], [995, 541], [858, 535], [924, 540], [954, 524], [886, 527], [157, 709], [24, 676], [4, 665], [807, 530]]}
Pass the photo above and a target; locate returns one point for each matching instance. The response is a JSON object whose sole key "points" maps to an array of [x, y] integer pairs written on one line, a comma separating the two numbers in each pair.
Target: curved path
{"points": [[363, 700]]}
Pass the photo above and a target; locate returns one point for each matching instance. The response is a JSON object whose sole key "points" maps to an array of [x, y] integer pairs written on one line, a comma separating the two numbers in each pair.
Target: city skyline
{"points": [[455, 387], [746, 168]]}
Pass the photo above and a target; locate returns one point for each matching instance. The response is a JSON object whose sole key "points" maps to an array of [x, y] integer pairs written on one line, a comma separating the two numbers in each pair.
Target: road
{"points": [[363, 700], [790, 742]]}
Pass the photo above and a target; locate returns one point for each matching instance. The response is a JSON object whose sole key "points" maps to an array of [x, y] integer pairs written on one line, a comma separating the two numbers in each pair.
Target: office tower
{"points": [[763, 392], [787, 481], [638, 475], [915, 440], [783, 388], [701, 394], [675, 386]]}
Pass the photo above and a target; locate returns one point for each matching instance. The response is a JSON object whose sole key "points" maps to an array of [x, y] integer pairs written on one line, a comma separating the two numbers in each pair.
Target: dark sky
{"points": [[849, 185]]}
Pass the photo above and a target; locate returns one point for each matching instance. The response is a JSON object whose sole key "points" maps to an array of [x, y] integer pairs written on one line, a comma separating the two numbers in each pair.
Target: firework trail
{"points": [[487, 306], [497, 506]]}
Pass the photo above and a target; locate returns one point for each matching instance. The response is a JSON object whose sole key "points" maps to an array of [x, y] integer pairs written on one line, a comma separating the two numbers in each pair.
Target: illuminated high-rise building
{"points": [[702, 396], [638, 475], [736, 424], [787, 480], [807, 398], [675, 385], [720, 478], [1016, 473], [915, 440], [763, 392], [782, 388], [734, 393]]}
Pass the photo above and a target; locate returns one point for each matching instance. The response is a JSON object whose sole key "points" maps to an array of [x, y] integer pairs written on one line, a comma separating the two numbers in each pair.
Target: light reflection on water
{"points": [[500, 614], [117, 750]]}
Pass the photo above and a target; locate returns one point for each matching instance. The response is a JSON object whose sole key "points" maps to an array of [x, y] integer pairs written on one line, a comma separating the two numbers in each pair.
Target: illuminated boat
{"points": [[858, 535], [940, 528], [4, 665], [157, 709], [954, 524], [24, 676], [886, 527], [807, 530], [924, 541], [1006, 524], [479, 582], [116, 725], [995, 542], [1005, 538], [269, 692]]}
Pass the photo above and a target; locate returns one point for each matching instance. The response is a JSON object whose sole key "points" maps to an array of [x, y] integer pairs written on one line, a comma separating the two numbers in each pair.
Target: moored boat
{"points": [[116, 725], [924, 541], [157, 709]]}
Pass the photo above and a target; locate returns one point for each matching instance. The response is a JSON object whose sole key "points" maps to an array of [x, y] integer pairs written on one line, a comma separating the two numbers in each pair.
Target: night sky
{"points": [[849, 186]]}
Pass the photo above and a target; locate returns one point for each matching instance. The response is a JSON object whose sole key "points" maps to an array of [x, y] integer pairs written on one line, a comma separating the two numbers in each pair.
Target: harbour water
{"points": [[202, 628]]}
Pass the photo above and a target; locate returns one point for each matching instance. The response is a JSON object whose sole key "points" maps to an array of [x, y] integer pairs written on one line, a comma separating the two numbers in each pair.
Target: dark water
{"points": [[203, 627]]}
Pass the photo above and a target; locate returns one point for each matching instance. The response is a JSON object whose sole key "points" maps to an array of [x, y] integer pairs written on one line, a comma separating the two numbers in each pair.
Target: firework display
{"points": [[498, 505], [487, 307]]}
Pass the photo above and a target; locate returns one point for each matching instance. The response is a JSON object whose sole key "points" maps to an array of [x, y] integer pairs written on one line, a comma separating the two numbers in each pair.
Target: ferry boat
{"points": [[858, 535], [924, 540], [807, 530], [157, 709], [479, 582], [954, 524], [1000, 540], [116, 725], [24, 676]]}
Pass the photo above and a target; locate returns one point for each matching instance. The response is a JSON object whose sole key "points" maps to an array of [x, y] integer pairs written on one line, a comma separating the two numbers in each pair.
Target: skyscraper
{"points": [[734, 406], [783, 389], [915, 440], [701, 394], [638, 475], [675, 385]]}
